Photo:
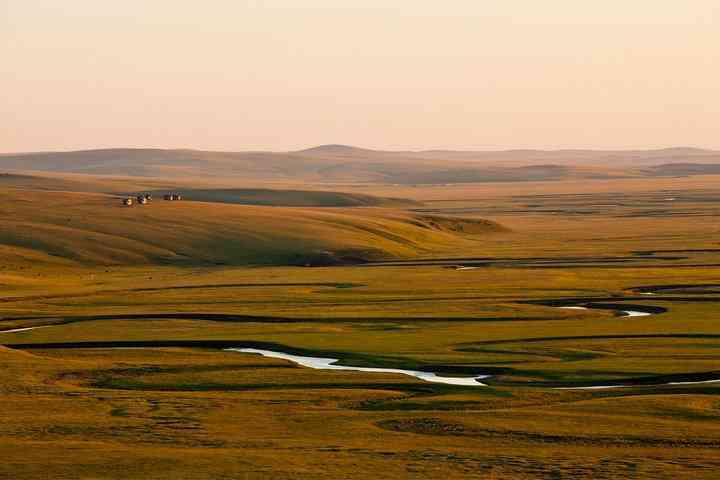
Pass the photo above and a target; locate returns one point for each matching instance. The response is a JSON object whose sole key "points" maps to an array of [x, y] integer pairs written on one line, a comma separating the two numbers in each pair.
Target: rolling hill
{"points": [[95, 229], [346, 164], [243, 196], [292, 198], [36, 182]]}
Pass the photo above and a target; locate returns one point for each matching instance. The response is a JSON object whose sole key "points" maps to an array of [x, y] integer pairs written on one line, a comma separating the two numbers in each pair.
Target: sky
{"points": [[392, 74]]}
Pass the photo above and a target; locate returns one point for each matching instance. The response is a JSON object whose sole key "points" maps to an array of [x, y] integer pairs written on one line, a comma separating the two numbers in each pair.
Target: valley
{"points": [[587, 314]]}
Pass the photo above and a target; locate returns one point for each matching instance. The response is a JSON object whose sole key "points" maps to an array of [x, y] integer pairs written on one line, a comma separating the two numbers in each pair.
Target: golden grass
{"points": [[96, 229], [202, 413], [319, 431]]}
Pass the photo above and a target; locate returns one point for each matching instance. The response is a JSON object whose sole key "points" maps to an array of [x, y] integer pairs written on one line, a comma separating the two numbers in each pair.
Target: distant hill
{"points": [[95, 229], [340, 150], [685, 169], [37, 182], [293, 198], [347, 164]]}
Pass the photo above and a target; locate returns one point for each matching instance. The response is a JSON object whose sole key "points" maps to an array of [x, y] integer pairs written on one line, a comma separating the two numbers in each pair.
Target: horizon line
{"points": [[377, 150]]}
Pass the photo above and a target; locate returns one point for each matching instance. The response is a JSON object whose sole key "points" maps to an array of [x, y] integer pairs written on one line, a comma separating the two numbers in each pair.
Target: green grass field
{"points": [[88, 270]]}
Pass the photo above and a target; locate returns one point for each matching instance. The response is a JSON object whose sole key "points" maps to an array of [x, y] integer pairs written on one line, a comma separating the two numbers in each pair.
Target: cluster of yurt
{"points": [[142, 199]]}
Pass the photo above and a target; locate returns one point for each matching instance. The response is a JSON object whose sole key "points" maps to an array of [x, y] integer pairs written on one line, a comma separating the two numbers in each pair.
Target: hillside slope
{"points": [[35, 182], [88, 228], [242, 196], [292, 198]]}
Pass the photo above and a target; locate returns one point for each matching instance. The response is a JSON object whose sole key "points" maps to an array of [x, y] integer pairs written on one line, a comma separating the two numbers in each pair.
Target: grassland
{"points": [[182, 407], [293, 198], [95, 229]]}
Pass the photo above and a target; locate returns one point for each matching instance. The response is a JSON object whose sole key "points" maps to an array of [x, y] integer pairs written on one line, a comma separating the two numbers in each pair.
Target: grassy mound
{"points": [[89, 228], [34, 182], [293, 198]]}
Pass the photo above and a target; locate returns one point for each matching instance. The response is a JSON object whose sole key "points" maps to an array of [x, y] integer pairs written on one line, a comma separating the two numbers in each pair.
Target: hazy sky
{"points": [[285, 74]]}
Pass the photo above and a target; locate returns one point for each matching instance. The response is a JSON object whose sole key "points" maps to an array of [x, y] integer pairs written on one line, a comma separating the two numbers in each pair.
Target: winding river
{"points": [[321, 363], [625, 313], [605, 387], [26, 329]]}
